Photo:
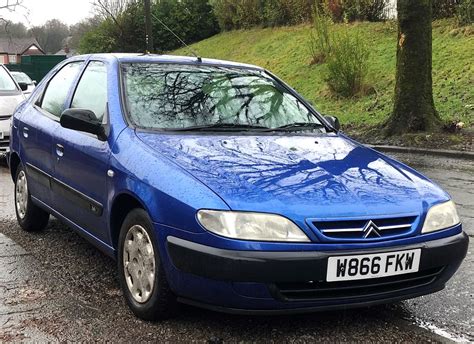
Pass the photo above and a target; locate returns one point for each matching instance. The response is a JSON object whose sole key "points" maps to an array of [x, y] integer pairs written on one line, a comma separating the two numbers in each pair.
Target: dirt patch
{"points": [[26, 295], [459, 141]]}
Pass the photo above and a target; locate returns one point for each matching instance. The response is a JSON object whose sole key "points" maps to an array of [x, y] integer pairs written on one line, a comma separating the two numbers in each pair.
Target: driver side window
{"points": [[91, 92]]}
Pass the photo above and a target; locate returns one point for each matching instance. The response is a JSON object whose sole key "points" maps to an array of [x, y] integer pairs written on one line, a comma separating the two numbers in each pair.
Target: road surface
{"points": [[55, 286]]}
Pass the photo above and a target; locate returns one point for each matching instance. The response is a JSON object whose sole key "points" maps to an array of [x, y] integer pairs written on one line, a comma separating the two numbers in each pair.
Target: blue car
{"points": [[215, 184]]}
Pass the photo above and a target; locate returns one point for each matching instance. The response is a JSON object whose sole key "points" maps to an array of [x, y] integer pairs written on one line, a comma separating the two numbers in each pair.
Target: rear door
{"points": [[81, 162], [37, 126]]}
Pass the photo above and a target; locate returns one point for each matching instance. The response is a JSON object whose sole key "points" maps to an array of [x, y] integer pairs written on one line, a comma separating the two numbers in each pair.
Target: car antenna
{"points": [[178, 38]]}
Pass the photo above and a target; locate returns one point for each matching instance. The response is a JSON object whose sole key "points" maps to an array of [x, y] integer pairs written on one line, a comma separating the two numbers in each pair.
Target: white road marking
{"points": [[440, 332]]}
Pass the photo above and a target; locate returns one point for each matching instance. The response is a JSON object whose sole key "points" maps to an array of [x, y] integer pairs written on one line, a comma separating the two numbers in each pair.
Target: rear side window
{"points": [[91, 92], [58, 88]]}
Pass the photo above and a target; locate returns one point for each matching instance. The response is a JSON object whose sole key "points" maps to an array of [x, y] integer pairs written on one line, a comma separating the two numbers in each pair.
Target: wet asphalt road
{"points": [[55, 286]]}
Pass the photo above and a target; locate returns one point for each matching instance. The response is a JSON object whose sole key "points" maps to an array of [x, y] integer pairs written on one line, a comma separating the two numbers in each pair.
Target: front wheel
{"points": [[141, 274], [30, 217]]}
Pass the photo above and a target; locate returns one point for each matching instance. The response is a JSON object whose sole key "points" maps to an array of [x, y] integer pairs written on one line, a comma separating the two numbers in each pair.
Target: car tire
{"points": [[30, 217], [139, 264]]}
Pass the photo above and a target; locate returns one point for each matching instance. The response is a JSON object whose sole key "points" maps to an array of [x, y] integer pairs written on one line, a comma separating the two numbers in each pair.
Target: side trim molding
{"points": [[38, 175], [56, 186]]}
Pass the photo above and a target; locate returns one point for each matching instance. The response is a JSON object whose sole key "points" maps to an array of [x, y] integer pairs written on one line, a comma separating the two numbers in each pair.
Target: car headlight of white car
{"points": [[441, 216], [251, 226]]}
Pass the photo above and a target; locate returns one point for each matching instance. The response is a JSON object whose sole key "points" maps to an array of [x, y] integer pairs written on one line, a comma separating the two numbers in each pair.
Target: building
{"points": [[12, 49], [66, 51]]}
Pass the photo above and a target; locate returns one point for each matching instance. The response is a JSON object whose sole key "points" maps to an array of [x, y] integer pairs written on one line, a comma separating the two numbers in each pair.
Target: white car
{"points": [[23, 78], [11, 94]]}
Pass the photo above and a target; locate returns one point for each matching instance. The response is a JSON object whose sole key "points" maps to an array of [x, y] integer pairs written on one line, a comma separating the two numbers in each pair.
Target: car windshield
{"points": [[180, 97], [22, 77], [6, 82]]}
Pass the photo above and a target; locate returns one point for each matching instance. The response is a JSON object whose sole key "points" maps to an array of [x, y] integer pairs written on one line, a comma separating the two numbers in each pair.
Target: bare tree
{"points": [[9, 6], [13, 30], [77, 31], [112, 10], [50, 35]]}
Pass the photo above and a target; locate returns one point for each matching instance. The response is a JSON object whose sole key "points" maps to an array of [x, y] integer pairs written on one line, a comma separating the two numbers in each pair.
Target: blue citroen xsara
{"points": [[215, 184]]}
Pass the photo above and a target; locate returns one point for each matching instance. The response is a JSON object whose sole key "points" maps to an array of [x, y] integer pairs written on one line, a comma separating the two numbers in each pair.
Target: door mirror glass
{"points": [[83, 120], [23, 86], [333, 122]]}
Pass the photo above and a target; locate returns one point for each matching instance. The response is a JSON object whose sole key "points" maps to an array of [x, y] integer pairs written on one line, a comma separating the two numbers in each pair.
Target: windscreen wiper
{"points": [[220, 126], [298, 126]]}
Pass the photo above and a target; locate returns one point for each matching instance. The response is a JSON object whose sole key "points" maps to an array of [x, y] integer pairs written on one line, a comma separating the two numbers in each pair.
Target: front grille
{"points": [[327, 291], [364, 229]]}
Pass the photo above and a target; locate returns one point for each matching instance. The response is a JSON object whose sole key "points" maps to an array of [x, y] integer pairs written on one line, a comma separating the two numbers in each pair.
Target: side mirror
{"points": [[333, 122], [83, 120], [23, 86]]}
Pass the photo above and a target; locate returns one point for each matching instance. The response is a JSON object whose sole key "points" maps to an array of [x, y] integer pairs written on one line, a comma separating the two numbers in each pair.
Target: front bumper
{"points": [[281, 282]]}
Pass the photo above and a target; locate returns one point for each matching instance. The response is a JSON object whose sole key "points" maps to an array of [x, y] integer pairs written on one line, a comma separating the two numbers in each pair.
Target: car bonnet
{"points": [[8, 103], [298, 175]]}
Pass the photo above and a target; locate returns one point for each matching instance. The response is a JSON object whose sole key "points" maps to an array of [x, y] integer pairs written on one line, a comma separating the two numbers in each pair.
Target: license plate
{"points": [[350, 268]]}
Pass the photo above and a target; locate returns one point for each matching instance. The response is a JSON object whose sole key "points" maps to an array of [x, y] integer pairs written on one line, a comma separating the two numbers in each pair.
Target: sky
{"points": [[37, 12]]}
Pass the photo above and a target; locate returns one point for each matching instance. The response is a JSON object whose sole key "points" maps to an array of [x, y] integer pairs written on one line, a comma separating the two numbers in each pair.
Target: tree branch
{"points": [[10, 4]]}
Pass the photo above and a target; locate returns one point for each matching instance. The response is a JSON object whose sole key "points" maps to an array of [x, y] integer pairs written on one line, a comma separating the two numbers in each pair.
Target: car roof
{"points": [[171, 59]]}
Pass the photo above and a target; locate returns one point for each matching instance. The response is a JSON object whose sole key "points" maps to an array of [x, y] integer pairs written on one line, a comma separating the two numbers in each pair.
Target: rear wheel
{"points": [[142, 278], [30, 217]]}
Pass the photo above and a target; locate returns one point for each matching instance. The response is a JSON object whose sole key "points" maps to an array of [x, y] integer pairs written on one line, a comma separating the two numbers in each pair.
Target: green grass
{"points": [[285, 51]]}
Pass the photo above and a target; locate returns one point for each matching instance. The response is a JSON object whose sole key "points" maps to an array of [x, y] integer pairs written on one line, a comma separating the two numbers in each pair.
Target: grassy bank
{"points": [[285, 51]]}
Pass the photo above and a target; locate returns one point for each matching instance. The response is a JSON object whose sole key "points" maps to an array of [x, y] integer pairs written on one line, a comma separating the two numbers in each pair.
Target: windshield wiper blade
{"points": [[298, 126], [222, 126]]}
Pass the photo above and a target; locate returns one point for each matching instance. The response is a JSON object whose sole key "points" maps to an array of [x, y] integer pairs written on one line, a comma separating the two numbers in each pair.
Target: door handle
{"points": [[25, 132], [59, 150]]}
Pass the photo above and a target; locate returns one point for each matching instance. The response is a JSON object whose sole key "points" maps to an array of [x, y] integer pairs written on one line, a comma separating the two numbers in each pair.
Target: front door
{"points": [[81, 163]]}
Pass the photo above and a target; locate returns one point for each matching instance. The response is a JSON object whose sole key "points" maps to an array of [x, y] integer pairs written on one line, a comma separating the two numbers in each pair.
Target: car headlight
{"points": [[440, 217], [251, 226]]}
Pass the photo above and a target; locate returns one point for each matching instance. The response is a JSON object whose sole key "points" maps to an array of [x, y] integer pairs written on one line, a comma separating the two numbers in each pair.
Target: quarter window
{"points": [[91, 92], [58, 88]]}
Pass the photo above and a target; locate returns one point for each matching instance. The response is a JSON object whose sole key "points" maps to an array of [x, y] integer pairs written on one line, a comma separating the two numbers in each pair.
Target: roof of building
{"points": [[66, 51], [17, 46]]}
